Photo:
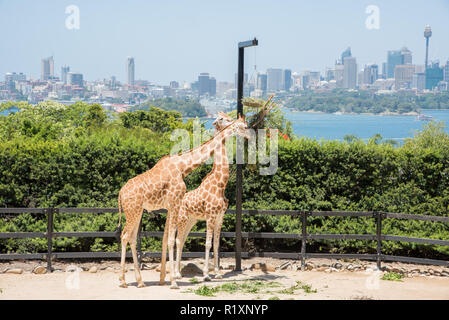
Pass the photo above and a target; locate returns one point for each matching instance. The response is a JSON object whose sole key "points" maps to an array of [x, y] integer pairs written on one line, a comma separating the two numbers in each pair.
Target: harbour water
{"points": [[336, 126]]}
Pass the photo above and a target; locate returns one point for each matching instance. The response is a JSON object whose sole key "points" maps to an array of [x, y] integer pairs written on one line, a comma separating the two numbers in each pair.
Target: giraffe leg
{"points": [[122, 264], [209, 235], [216, 245], [171, 245], [132, 244], [183, 232], [164, 251]]}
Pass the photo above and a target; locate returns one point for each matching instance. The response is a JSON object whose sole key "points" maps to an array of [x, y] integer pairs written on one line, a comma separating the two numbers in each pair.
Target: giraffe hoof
{"points": [[206, 278], [178, 276], [123, 285], [174, 286], [141, 285], [162, 282]]}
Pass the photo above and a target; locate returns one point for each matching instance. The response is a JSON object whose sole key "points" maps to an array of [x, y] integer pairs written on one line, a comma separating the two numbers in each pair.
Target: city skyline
{"points": [[187, 41]]}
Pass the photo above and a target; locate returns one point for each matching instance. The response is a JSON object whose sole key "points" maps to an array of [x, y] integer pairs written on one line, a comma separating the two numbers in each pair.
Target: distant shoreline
{"points": [[385, 113]]}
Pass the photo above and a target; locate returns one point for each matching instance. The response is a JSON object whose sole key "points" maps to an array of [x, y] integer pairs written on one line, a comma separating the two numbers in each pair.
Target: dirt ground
{"points": [[104, 283]]}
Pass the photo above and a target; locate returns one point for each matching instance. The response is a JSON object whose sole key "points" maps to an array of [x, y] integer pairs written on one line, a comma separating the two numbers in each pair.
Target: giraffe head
{"points": [[239, 127], [223, 120]]}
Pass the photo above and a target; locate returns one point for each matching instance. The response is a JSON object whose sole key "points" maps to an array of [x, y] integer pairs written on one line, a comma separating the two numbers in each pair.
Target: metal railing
{"points": [[302, 254]]}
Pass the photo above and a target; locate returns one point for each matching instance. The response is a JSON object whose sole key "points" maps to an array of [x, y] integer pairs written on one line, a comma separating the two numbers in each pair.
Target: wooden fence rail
{"points": [[302, 253]]}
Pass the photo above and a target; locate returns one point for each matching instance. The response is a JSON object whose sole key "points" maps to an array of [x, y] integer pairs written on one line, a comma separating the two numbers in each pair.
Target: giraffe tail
{"points": [[119, 210]]}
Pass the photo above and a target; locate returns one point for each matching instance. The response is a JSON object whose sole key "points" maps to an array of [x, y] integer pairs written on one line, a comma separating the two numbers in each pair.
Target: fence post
{"points": [[378, 216], [303, 240], [50, 212]]}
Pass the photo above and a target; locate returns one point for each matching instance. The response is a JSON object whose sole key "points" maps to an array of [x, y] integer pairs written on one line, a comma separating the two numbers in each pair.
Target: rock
{"points": [[285, 265], [190, 269], [309, 266], [431, 271], [263, 266], [228, 266], [329, 270], [93, 269], [295, 267], [39, 270], [322, 269], [444, 274], [337, 265], [437, 274], [14, 271], [73, 268], [111, 269], [350, 267]]}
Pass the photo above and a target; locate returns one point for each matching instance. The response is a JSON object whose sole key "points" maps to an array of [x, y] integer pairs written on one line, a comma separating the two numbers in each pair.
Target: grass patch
{"points": [[194, 280], [299, 285], [392, 276], [274, 298], [206, 291]]}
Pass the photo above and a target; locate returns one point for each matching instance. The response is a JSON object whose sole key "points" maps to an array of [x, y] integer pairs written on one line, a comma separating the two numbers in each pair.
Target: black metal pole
{"points": [[239, 174], [239, 178]]}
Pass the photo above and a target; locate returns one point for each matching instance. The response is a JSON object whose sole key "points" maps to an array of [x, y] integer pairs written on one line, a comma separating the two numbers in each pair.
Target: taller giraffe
{"points": [[163, 187]]}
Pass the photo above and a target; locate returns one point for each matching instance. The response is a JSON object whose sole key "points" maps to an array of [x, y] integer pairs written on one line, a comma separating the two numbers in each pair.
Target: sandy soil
{"points": [[104, 285]]}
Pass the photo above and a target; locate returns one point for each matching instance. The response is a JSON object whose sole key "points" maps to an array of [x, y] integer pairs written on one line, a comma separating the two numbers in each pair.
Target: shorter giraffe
{"points": [[207, 202]]}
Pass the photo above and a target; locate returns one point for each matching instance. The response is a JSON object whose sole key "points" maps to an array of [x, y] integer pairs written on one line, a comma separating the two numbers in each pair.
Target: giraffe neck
{"points": [[192, 159], [221, 163]]}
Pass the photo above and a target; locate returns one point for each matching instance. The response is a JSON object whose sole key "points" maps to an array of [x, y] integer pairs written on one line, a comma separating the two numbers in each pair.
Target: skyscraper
{"points": [[262, 82], [446, 72], [394, 58], [345, 54], [75, 79], [64, 71], [339, 71], [403, 76], [274, 80], [406, 56], [287, 79], [370, 73], [130, 70], [47, 68], [349, 73], [206, 85], [434, 74]]}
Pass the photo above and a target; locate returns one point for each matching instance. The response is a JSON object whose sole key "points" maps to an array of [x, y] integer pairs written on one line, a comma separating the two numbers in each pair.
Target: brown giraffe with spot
{"points": [[207, 202], [163, 187]]}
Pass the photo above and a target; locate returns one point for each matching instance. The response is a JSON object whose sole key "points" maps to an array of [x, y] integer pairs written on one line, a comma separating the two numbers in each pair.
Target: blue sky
{"points": [[176, 40]]}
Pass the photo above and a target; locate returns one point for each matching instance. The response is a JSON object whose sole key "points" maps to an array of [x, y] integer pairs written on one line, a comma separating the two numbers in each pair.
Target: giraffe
{"points": [[207, 202], [163, 187]]}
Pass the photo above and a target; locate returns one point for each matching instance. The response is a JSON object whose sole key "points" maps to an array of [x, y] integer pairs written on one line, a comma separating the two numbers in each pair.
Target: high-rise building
{"points": [[394, 58], [47, 68], [262, 82], [339, 71], [75, 79], [419, 81], [329, 74], [434, 74], [274, 80], [406, 56], [130, 68], [349, 73], [446, 72], [345, 54], [11, 78], [287, 80], [206, 85], [370, 73], [64, 71], [403, 76]]}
